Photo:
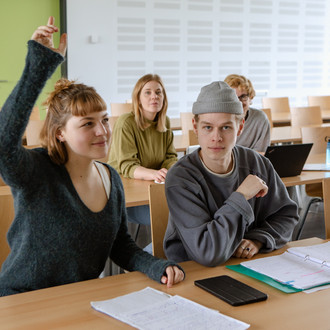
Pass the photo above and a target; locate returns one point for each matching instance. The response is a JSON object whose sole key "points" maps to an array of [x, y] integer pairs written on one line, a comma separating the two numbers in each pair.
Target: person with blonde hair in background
{"points": [[256, 132], [142, 141]]}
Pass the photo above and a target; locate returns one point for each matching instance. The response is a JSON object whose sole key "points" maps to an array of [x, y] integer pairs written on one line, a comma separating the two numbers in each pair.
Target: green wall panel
{"points": [[18, 20]]}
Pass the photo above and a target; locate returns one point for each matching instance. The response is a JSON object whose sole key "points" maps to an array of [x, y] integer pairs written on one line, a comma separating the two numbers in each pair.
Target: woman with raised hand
{"points": [[70, 210]]}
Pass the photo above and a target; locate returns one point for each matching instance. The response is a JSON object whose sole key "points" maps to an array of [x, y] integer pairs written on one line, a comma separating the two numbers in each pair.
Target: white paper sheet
{"points": [[150, 309], [291, 270]]}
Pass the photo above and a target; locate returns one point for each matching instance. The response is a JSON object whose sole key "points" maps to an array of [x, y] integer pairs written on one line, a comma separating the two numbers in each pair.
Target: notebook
{"points": [[299, 268], [288, 159]]}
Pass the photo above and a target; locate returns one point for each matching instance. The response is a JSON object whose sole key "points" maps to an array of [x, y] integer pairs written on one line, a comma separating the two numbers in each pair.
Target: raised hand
{"points": [[253, 186], [44, 35]]}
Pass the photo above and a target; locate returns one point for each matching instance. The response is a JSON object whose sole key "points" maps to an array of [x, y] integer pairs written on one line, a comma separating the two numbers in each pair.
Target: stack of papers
{"points": [[153, 309]]}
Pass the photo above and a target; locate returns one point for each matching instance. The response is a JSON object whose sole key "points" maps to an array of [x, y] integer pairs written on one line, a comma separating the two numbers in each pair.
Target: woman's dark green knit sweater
{"points": [[54, 238]]}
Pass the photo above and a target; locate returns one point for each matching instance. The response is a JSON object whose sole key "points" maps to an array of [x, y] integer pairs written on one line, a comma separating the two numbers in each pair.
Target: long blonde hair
{"points": [[68, 99], [137, 107]]}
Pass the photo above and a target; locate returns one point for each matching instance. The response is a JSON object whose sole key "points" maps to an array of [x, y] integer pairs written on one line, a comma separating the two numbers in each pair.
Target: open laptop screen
{"points": [[288, 159]]}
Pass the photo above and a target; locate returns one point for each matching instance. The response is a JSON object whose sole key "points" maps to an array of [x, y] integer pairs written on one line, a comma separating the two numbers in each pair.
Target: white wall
{"points": [[283, 46]]}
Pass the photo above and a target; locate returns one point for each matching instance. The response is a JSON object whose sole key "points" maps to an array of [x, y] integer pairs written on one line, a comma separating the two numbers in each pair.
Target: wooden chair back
{"points": [[276, 104], [186, 122], [2, 183], [322, 101], [304, 116], [316, 134], [35, 114], [112, 121], [158, 217], [6, 218], [193, 139], [33, 130], [118, 109], [268, 113]]}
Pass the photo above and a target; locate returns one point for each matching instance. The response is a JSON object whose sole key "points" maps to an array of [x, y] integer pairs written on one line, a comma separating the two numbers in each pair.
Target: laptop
{"points": [[288, 159]]}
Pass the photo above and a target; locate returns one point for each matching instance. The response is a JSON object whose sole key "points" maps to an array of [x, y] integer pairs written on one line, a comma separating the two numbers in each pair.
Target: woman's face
{"points": [[87, 136], [151, 99]]}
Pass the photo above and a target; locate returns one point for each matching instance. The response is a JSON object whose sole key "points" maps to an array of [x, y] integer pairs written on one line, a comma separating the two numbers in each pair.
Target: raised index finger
{"points": [[50, 20]]}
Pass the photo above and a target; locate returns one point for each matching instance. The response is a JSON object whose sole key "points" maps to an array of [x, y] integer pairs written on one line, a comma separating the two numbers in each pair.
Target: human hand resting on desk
{"points": [[173, 275], [253, 186], [247, 249], [144, 173], [44, 35]]}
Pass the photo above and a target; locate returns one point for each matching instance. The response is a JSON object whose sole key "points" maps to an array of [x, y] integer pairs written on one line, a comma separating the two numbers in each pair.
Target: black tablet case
{"points": [[230, 290]]}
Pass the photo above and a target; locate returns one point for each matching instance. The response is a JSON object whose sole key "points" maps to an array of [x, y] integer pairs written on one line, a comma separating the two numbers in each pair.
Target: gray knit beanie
{"points": [[217, 97]]}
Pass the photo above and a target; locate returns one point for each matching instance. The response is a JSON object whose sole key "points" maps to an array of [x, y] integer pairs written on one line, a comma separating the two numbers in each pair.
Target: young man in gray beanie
{"points": [[224, 200]]}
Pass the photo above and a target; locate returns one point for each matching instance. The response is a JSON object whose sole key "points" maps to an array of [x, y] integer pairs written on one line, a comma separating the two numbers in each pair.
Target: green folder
{"points": [[263, 278]]}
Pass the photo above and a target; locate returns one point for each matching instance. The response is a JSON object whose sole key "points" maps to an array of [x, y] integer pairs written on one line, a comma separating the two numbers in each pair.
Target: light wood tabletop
{"points": [[136, 191], [68, 306]]}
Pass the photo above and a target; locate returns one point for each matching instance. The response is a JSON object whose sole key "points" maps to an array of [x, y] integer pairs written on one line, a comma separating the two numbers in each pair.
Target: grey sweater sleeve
{"points": [[204, 228], [209, 239]]}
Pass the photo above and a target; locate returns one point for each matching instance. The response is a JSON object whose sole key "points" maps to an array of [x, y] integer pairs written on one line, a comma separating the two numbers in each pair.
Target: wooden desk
{"points": [[136, 191], [68, 306]]}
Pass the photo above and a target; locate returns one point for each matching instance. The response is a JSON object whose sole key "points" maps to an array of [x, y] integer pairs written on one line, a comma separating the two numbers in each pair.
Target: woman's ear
{"points": [[59, 135]]}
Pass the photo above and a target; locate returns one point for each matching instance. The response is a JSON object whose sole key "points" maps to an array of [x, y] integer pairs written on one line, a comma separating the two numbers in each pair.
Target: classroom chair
{"points": [[33, 130], [268, 113], [118, 109], [186, 122], [305, 116], [313, 134], [193, 139], [7, 214], [276, 104], [35, 114], [322, 101], [158, 217], [112, 121]]}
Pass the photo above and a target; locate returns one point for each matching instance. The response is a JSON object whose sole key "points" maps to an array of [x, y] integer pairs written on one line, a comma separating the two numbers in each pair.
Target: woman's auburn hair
{"points": [[238, 81], [67, 99], [137, 107]]}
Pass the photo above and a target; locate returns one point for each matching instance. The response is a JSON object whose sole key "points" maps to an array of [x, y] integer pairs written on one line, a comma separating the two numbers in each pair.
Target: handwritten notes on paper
{"points": [[152, 309]]}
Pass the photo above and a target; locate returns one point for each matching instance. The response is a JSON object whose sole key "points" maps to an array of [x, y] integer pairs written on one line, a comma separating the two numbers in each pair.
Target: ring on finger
{"points": [[247, 249]]}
